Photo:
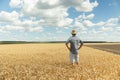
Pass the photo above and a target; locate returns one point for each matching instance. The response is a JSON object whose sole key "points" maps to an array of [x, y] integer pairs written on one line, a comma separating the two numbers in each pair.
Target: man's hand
{"points": [[80, 46], [68, 47]]}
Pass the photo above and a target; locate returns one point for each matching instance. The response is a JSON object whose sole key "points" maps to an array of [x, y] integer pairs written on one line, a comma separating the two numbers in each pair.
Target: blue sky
{"points": [[53, 20]]}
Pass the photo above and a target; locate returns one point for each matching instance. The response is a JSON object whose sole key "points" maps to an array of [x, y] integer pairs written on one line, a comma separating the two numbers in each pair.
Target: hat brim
{"points": [[73, 33]]}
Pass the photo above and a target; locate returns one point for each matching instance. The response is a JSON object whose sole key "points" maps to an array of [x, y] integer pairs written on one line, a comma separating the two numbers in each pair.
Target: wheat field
{"points": [[51, 62]]}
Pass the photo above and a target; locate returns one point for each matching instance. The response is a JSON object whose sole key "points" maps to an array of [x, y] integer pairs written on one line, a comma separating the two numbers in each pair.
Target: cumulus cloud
{"points": [[111, 22], [118, 29], [101, 23], [88, 23], [53, 12], [106, 29], [88, 17], [18, 25], [79, 25], [35, 15], [91, 16], [15, 3], [9, 28], [82, 22], [2, 31], [80, 5], [8, 17], [85, 21], [35, 29], [86, 6], [28, 23], [47, 4], [59, 31], [64, 22], [119, 20], [96, 30]]}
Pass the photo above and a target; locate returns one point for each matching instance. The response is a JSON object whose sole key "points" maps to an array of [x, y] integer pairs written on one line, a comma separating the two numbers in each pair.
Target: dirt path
{"points": [[114, 48]]}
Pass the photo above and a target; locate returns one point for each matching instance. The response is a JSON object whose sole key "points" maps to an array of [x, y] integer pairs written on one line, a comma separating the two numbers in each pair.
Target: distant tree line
{"points": [[23, 42]]}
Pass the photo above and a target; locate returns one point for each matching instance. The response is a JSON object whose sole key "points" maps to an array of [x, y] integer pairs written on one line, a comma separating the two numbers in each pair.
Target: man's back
{"points": [[74, 43], [74, 47]]}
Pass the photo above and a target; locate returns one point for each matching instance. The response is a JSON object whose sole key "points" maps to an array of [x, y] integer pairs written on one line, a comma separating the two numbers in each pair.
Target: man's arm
{"points": [[80, 45], [67, 46]]}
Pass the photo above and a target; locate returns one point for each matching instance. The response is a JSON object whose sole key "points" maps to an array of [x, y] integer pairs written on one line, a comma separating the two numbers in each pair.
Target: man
{"points": [[75, 45]]}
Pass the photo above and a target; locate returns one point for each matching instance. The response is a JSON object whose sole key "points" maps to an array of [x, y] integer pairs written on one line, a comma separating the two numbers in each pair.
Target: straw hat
{"points": [[73, 32]]}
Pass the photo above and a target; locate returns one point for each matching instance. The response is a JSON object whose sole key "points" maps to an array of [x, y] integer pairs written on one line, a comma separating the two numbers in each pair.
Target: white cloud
{"points": [[96, 30], [88, 17], [106, 29], [28, 23], [33, 8], [2, 31], [86, 6], [33, 15], [88, 23], [112, 22], [11, 28], [35, 29], [101, 23], [37, 38], [53, 12], [8, 17], [65, 22], [84, 21], [59, 31], [47, 4], [118, 29], [15, 3], [79, 25], [119, 20], [48, 18], [80, 5], [91, 16], [82, 32]]}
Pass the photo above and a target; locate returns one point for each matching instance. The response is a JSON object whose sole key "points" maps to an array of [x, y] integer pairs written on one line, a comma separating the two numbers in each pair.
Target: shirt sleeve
{"points": [[80, 41], [68, 41]]}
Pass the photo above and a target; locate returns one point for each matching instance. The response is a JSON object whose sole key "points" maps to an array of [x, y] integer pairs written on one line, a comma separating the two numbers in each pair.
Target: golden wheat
{"points": [[51, 62]]}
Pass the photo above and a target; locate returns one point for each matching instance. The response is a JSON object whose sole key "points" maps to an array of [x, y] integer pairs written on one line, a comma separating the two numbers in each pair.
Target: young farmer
{"points": [[75, 45]]}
